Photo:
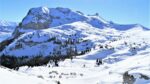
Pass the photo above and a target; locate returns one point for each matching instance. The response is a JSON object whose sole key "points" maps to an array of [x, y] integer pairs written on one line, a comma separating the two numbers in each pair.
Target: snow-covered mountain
{"points": [[124, 50], [7, 23], [43, 29], [6, 29], [6, 26], [43, 18], [123, 27]]}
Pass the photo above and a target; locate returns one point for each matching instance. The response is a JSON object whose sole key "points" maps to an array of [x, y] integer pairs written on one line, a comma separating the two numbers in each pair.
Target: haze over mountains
{"points": [[62, 32]]}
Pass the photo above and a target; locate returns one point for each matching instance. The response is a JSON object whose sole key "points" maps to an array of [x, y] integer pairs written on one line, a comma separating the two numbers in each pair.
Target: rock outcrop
{"points": [[37, 18], [129, 78]]}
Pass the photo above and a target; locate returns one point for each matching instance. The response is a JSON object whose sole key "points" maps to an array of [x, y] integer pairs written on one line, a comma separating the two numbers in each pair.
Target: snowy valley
{"points": [[62, 46]]}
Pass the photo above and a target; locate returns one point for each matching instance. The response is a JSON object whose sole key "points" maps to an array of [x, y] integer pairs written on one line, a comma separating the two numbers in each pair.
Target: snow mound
{"points": [[8, 76]]}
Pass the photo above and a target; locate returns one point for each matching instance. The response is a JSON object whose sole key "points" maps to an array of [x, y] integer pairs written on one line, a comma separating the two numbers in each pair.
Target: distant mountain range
{"points": [[6, 29], [6, 26]]}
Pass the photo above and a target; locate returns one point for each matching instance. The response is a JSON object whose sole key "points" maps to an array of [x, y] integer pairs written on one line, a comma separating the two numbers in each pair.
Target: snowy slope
{"points": [[42, 41], [45, 42], [8, 76], [83, 69]]}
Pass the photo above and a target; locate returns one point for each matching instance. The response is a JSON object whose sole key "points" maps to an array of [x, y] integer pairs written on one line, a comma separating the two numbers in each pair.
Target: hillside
{"points": [[116, 62]]}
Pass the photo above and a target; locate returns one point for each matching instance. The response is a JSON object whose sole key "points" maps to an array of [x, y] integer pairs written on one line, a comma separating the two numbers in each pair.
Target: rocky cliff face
{"points": [[37, 18], [134, 78]]}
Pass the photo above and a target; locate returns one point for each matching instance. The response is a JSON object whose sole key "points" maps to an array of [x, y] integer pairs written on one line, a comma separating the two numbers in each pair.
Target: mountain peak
{"points": [[40, 10]]}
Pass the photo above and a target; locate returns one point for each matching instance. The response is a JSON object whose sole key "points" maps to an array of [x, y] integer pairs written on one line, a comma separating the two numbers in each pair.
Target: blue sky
{"points": [[119, 11]]}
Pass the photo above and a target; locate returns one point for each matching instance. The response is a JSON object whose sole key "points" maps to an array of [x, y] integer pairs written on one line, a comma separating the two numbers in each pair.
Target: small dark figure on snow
{"points": [[56, 63], [58, 82], [99, 62]]}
